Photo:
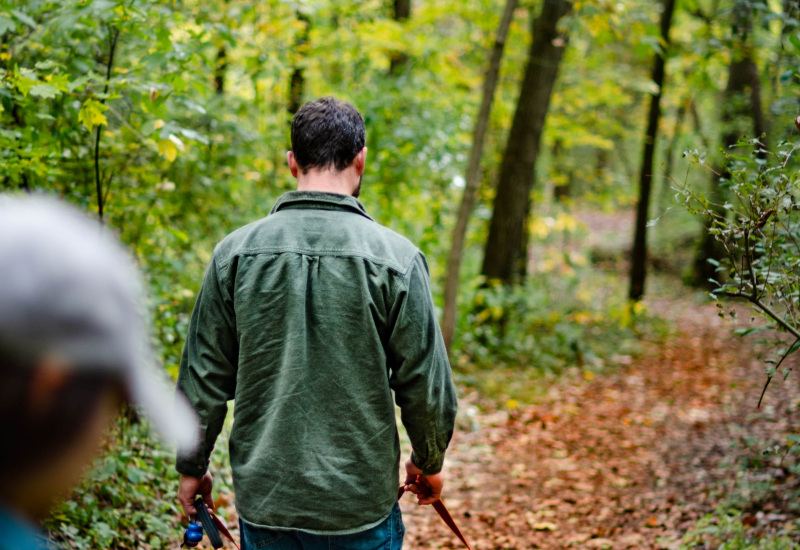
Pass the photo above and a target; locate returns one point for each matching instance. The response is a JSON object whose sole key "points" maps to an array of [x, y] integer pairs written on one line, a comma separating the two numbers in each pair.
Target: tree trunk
{"points": [[399, 60], [639, 255], [473, 177], [512, 202], [297, 81]]}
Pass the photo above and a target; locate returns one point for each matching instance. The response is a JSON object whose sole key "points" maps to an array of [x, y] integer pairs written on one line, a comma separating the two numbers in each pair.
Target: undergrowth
{"points": [[725, 530], [128, 498], [574, 317], [759, 501]]}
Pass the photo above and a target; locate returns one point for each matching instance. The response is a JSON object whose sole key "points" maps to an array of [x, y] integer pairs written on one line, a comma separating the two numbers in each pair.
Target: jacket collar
{"points": [[317, 200]]}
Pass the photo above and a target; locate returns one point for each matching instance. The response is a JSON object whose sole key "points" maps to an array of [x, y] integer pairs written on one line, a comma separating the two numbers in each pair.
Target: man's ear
{"points": [[360, 161], [49, 377], [292, 162]]}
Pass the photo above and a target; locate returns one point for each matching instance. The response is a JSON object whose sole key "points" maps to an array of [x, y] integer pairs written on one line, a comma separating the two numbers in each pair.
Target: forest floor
{"points": [[627, 459]]}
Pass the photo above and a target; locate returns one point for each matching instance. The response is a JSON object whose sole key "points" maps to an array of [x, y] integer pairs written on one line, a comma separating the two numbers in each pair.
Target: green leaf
{"points": [[793, 38], [7, 25], [148, 127], [24, 81], [78, 83], [196, 136], [24, 17], [46, 65], [45, 91]]}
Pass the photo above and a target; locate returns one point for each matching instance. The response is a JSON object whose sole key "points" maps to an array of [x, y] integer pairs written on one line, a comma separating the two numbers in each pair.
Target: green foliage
{"points": [[724, 530], [570, 317], [550, 322], [127, 500], [757, 225], [181, 163]]}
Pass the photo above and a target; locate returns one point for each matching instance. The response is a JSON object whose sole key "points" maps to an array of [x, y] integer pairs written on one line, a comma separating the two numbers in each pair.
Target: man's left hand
{"points": [[188, 490]]}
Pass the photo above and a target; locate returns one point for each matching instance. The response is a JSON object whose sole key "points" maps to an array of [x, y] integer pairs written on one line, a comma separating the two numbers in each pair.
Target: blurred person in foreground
{"points": [[73, 349], [310, 318]]}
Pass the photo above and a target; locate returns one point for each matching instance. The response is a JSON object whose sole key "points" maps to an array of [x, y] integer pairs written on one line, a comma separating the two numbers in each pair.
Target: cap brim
{"points": [[170, 413]]}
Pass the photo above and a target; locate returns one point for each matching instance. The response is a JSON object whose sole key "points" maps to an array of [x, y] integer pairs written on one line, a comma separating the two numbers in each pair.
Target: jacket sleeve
{"points": [[207, 375], [420, 371]]}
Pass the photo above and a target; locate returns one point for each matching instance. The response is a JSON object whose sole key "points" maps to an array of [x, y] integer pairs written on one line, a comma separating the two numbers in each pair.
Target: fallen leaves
{"points": [[616, 461]]}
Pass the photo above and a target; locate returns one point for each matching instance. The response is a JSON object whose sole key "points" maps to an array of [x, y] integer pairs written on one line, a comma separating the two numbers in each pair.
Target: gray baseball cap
{"points": [[70, 292]]}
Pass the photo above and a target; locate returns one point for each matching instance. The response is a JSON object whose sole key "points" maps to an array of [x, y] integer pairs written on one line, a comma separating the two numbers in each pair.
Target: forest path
{"points": [[627, 459]]}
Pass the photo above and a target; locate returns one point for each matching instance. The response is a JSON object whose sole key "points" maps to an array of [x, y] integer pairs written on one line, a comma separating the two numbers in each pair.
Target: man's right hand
{"points": [[432, 485], [188, 490]]}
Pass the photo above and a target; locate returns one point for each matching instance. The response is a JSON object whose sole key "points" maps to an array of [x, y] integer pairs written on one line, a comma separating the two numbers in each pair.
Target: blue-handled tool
{"points": [[208, 522]]}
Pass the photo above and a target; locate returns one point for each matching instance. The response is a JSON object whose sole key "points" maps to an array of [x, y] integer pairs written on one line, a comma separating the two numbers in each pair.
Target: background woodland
{"points": [[557, 161]]}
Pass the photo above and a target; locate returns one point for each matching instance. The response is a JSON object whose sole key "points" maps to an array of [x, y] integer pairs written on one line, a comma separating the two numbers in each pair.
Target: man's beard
{"points": [[357, 192]]}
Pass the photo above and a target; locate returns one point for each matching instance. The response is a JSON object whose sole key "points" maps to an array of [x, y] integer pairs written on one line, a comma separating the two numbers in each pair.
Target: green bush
{"points": [[754, 216], [724, 530], [572, 317]]}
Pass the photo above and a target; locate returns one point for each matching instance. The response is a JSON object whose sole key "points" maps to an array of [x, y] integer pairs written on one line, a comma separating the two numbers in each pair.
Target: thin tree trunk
{"points": [[399, 60], [512, 202], [297, 81], [220, 68], [669, 154], [561, 191], [473, 177], [698, 126], [639, 255], [113, 36]]}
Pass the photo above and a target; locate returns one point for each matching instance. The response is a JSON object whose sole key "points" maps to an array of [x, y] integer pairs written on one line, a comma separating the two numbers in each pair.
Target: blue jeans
{"points": [[388, 535]]}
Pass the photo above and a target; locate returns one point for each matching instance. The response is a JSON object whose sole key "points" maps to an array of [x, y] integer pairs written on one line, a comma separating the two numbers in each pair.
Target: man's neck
{"points": [[328, 181]]}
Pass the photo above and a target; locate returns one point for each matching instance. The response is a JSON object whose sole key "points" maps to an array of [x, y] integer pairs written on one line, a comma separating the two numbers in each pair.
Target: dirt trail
{"points": [[630, 459]]}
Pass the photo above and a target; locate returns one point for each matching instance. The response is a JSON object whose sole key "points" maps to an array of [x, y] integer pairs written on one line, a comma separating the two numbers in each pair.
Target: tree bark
{"points": [[512, 202], [399, 60], [473, 177], [639, 255]]}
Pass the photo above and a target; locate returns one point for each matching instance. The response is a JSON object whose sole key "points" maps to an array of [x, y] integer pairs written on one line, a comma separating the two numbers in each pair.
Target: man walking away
{"points": [[310, 318]]}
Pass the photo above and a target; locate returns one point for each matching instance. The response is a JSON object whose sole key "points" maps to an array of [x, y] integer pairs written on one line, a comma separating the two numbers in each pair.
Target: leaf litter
{"points": [[630, 458]]}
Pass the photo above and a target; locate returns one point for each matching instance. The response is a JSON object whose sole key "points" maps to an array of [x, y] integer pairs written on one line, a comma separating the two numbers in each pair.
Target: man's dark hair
{"points": [[327, 132]]}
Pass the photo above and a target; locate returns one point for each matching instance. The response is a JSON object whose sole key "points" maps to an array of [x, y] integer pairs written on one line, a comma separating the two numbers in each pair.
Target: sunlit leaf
{"points": [[91, 114], [167, 149]]}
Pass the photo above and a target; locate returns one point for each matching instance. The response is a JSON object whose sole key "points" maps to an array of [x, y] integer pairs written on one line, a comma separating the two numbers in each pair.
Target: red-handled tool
{"points": [[440, 508]]}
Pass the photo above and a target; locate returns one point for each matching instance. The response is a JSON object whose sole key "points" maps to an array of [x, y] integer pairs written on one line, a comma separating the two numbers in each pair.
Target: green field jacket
{"points": [[310, 319]]}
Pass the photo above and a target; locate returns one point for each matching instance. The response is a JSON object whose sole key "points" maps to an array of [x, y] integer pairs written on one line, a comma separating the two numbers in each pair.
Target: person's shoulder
{"points": [[389, 246], [236, 240]]}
